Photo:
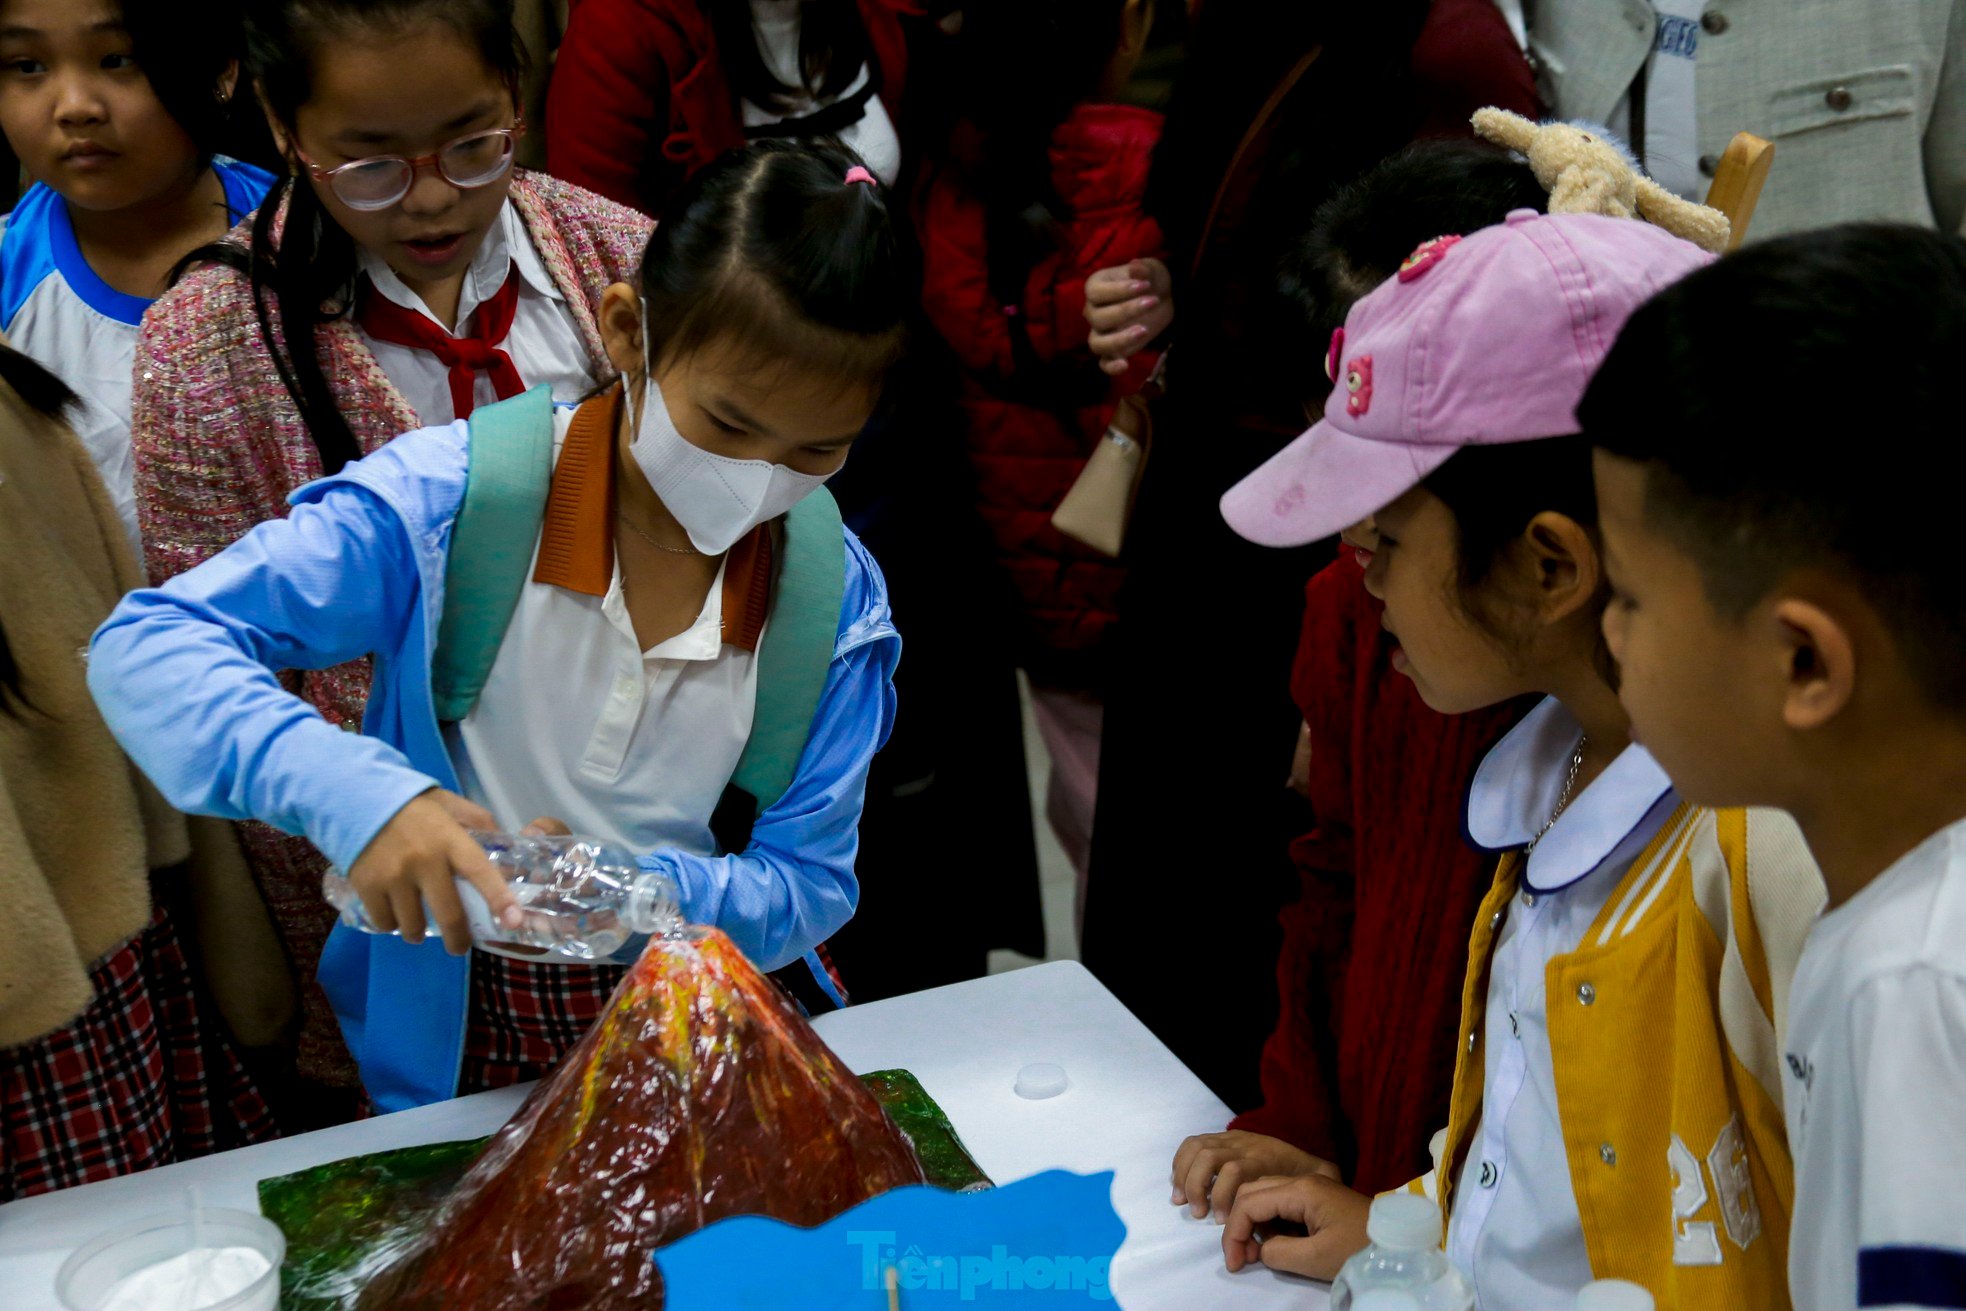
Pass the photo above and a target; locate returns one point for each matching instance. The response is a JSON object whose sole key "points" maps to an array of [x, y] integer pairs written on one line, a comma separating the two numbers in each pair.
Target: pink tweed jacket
{"points": [[219, 444]]}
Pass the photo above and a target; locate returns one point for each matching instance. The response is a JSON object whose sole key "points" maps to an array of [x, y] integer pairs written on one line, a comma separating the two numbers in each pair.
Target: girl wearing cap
{"points": [[1616, 1108]]}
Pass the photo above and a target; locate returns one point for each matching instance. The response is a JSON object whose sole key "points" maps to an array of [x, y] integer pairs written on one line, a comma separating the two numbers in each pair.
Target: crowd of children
{"points": [[396, 492]]}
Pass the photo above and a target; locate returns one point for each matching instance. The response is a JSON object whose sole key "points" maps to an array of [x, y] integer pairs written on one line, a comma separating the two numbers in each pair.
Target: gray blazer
{"points": [[1865, 100]]}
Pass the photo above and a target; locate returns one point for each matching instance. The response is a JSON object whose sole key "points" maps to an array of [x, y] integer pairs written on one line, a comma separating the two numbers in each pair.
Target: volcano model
{"points": [[702, 1093]]}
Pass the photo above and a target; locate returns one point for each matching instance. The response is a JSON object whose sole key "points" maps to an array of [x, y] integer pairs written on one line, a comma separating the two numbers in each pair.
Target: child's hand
{"points": [[1210, 1167], [413, 861], [1127, 306], [1332, 1215]]}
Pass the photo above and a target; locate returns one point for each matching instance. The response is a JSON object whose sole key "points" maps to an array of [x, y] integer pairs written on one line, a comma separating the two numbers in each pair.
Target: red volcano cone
{"points": [[702, 1093]]}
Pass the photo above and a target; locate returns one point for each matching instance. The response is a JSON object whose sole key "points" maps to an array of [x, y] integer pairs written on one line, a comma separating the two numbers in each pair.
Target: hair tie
{"points": [[859, 174]]}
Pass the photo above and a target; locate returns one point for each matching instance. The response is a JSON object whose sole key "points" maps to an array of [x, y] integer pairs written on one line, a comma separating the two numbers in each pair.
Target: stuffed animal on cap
{"points": [[1588, 171]]}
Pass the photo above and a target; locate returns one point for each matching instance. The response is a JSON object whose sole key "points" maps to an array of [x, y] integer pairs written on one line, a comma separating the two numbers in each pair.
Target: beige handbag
{"points": [[1098, 509]]}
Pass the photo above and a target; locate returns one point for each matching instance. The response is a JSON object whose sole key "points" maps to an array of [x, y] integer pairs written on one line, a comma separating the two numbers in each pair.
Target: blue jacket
{"points": [[185, 677]]}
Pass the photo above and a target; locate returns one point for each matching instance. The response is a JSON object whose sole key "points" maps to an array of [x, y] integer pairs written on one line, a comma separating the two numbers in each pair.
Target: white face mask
{"points": [[716, 499]]}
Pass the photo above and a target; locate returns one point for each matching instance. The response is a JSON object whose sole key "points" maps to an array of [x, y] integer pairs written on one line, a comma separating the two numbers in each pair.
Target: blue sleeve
{"points": [[185, 673], [794, 886]]}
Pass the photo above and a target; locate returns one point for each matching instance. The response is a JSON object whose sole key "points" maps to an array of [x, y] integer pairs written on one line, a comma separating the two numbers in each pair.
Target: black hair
{"points": [[185, 48], [1060, 49], [832, 47], [309, 273], [1360, 237], [1795, 407], [770, 250], [44, 393]]}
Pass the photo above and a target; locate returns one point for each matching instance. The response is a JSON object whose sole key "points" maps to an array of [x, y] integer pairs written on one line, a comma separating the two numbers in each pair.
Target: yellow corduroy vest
{"points": [[1664, 1032]]}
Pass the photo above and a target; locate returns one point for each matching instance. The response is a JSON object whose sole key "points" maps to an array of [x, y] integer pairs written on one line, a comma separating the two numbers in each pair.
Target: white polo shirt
{"points": [[544, 341], [578, 722], [1515, 1230], [1874, 1090]]}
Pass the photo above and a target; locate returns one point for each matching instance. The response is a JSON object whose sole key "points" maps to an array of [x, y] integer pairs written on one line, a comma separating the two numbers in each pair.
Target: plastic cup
{"points": [[86, 1280]]}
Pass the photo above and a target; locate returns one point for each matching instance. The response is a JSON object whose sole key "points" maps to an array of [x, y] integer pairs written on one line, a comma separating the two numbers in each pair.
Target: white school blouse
{"points": [[1515, 1230], [544, 341], [578, 722]]}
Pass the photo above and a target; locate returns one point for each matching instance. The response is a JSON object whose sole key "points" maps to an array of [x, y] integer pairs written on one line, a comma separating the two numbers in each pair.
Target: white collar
{"points": [[702, 640], [1517, 786], [507, 245]]}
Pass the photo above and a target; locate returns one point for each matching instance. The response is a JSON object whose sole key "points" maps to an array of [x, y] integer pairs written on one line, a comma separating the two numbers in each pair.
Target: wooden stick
{"points": [[1737, 182], [893, 1289]]}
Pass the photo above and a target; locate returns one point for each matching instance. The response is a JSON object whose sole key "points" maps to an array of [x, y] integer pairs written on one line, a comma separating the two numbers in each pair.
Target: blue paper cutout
{"points": [[1042, 1243]]}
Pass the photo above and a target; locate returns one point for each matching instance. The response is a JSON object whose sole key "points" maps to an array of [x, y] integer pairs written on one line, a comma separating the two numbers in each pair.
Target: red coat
{"points": [[639, 99], [1025, 455], [1375, 951]]}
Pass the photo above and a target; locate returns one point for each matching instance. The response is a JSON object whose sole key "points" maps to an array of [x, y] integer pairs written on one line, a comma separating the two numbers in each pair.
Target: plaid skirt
{"points": [[526, 1015], [143, 1077]]}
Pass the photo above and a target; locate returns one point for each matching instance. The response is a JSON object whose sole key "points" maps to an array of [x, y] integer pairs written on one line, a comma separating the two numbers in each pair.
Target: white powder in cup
{"points": [[193, 1279]]}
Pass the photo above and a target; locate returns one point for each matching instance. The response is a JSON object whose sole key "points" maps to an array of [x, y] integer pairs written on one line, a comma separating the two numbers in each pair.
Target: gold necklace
{"points": [[635, 529], [1562, 798]]}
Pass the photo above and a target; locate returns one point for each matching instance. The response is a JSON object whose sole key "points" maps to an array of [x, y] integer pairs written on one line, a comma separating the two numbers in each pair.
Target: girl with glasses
{"points": [[117, 114], [698, 664], [405, 275]]}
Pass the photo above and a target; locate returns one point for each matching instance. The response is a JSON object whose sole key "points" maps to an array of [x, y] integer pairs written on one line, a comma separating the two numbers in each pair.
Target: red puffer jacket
{"points": [[1026, 454], [639, 99]]}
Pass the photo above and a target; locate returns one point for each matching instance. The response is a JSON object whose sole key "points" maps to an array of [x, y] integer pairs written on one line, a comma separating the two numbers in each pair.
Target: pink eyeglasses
{"points": [[379, 181]]}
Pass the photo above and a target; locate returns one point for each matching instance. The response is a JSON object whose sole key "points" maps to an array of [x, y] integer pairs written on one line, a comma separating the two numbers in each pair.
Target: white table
{"points": [[1129, 1105]]}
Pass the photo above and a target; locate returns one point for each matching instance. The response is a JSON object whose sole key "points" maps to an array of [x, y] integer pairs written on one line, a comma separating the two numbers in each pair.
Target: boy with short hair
{"points": [[1778, 469]]}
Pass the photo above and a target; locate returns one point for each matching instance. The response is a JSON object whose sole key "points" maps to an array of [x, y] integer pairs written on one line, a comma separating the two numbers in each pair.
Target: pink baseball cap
{"points": [[1478, 341]]}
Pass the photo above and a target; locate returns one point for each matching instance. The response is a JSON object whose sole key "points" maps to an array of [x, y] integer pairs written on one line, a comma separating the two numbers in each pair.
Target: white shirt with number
{"points": [[1874, 1088], [1515, 1230]]}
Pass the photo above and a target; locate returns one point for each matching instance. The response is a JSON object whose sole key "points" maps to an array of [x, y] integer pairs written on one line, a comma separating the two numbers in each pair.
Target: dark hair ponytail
{"points": [[1360, 237], [832, 46], [43, 393], [309, 273], [772, 252]]}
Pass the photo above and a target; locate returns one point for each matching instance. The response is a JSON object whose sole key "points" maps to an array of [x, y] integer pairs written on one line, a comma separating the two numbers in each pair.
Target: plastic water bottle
{"points": [[1403, 1269], [1614, 1295], [582, 898]]}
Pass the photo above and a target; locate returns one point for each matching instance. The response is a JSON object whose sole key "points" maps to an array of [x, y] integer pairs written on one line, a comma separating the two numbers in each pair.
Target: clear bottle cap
{"points": [[1406, 1222], [653, 905], [1613, 1295], [1037, 1082]]}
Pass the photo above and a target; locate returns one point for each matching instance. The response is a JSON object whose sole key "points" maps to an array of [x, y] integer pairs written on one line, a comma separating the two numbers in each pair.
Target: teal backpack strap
{"points": [[797, 652], [492, 543]]}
